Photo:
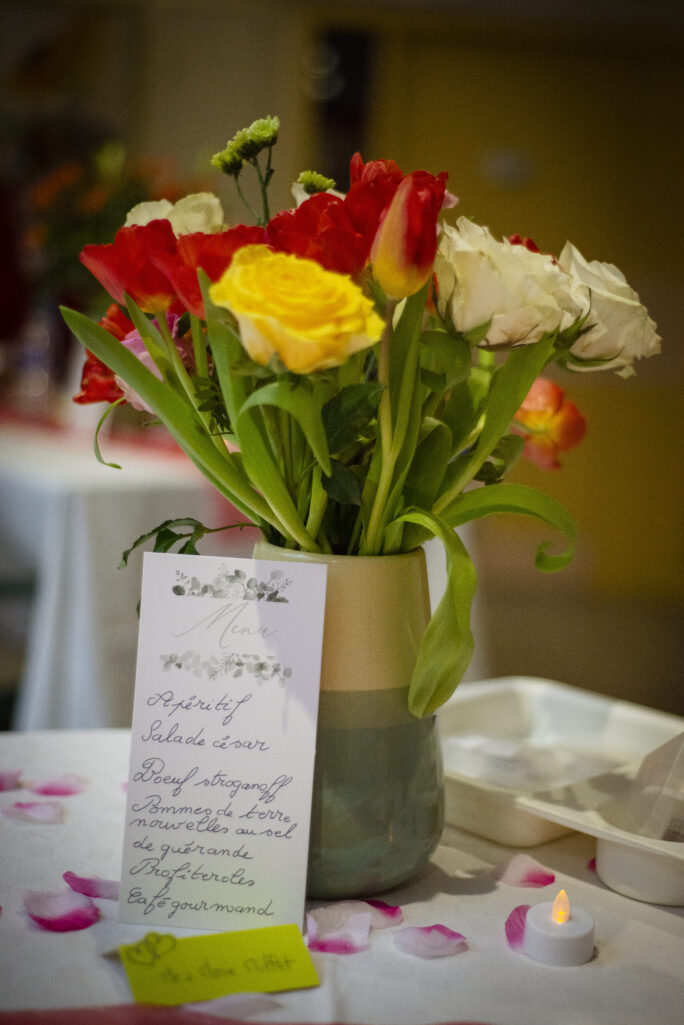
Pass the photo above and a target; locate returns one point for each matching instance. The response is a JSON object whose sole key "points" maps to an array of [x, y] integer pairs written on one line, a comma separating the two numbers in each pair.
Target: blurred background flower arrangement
{"points": [[80, 198], [354, 374]]}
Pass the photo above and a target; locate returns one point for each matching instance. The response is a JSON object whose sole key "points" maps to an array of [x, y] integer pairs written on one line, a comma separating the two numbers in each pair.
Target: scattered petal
{"points": [[48, 812], [384, 915], [59, 786], [9, 779], [515, 926], [338, 929], [93, 886], [61, 911], [522, 870], [591, 865], [430, 941]]}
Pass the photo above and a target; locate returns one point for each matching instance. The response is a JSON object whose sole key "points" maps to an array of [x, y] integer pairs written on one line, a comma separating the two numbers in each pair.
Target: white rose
{"points": [[521, 294], [143, 213], [620, 329], [201, 211]]}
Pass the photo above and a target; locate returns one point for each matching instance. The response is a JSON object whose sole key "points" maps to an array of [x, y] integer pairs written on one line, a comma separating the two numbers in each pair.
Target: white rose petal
{"points": [[620, 329], [201, 211], [521, 294], [143, 213]]}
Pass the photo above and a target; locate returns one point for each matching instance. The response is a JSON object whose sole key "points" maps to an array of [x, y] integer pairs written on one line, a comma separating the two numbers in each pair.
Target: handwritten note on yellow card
{"points": [[163, 969]]}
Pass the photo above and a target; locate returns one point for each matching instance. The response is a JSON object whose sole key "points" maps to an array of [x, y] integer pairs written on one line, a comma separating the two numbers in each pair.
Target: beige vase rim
{"points": [[376, 611]]}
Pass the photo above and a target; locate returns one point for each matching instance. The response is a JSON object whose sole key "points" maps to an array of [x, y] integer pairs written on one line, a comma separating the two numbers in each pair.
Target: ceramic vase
{"points": [[377, 811]]}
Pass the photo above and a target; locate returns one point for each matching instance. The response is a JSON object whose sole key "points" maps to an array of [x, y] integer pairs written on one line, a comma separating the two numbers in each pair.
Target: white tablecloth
{"points": [[637, 976], [68, 518]]}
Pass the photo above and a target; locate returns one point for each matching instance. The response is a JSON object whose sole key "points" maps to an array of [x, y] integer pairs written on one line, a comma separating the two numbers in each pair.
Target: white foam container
{"points": [[527, 760]]}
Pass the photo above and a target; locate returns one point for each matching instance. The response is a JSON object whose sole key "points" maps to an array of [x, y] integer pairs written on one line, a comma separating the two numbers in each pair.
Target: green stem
{"points": [[263, 187], [392, 446], [199, 347], [242, 196], [318, 504]]}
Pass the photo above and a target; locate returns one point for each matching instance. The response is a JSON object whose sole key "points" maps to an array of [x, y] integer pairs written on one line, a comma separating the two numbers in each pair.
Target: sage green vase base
{"points": [[378, 809]]}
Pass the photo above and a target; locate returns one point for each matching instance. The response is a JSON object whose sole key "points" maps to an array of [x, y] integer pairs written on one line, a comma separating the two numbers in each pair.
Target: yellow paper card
{"points": [[163, 969]]}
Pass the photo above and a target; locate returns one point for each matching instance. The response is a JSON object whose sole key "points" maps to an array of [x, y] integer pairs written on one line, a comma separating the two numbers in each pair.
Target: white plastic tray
{"points": [[527, 760]]}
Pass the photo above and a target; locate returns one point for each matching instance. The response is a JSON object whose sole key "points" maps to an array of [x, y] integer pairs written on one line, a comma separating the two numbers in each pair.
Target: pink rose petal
{"points": [[336, 929], [59, 786], [61, 912], [430, 941], [522, 870], [47, 812], [515, 926], [93, 886], [384, 915], [9, 779]]}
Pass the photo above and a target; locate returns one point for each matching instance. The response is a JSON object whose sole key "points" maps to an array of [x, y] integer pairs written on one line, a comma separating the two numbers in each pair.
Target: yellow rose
{"points": [[311, 318]]}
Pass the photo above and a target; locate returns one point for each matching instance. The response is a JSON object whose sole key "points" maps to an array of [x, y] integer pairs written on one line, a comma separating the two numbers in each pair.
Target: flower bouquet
{"points": [[353, 374]]}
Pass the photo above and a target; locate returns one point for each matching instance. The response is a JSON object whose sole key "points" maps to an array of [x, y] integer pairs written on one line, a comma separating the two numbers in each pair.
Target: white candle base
{"points": [[562, 944]]}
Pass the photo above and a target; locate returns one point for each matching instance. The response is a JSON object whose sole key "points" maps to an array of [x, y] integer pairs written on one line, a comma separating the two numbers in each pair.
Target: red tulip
{"points": [[116, 322], [98, 383], [125, 267], [382, 172], [211, 253], [372, 188], [321, 229], [405, 244]]}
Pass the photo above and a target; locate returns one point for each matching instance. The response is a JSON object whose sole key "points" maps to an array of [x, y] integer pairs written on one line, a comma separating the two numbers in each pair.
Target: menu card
{"points": [[223, 742]]}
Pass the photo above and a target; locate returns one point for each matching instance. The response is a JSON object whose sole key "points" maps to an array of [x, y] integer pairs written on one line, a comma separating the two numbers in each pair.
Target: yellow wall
{"points": [[566, 133]]}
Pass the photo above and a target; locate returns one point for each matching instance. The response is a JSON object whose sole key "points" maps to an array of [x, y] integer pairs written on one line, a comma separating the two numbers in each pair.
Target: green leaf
{"points": [[501, 460], [298, 401], [448, 356], [171, 531], [349, 413], [477, 334], [518, 498], [342, 484], [150, 336], [107, 413], [178, 416], [429, 463], [464, 407], [509, 385], [209, 400], [447, 645]]}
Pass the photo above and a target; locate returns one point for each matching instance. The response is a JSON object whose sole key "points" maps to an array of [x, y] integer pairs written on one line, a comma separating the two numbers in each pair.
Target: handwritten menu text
{"points": [[223, 742]]}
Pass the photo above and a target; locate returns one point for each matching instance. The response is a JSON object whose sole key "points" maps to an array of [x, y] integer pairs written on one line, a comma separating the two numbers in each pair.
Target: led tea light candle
{"points": [[557, 935]]}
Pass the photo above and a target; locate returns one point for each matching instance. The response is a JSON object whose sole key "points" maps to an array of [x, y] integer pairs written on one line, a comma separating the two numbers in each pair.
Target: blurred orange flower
{"points": [[549, 423]]}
